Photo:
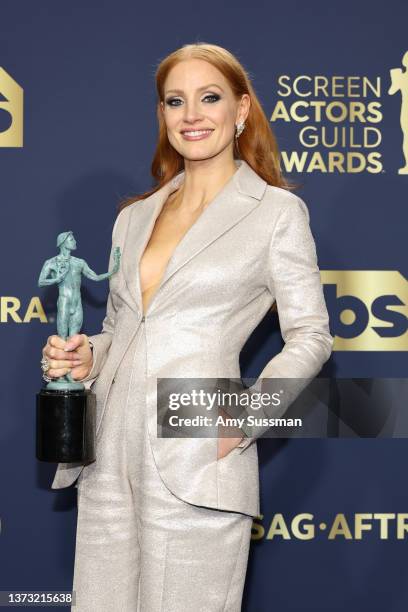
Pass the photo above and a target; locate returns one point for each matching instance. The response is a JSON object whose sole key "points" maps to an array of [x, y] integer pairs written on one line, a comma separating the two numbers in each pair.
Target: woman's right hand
{"points": [[73, 355]]}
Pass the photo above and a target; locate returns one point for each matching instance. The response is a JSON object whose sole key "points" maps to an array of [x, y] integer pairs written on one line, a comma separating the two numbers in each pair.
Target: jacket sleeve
{"points": [[102, 341], [294, 280]]}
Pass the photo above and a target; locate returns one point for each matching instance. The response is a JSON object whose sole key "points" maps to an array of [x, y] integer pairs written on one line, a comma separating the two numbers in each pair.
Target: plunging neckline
{"points": [[145, 247], [146, 244], [150, 234]]}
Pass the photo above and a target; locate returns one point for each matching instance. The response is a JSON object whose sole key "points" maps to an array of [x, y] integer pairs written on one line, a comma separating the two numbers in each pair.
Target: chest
{"points": [[168, 231], [68, 265]]}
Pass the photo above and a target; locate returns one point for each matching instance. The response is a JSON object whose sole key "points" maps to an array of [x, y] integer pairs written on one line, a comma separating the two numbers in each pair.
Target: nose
{"points": [[192, 112]]}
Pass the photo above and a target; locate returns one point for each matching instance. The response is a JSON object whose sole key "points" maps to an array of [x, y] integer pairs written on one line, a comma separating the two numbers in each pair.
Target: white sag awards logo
{"points": [[340, 121], [11, 108]]}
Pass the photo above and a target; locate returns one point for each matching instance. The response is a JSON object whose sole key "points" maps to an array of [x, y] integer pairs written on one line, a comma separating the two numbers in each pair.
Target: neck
{"points": [[203, 179]]}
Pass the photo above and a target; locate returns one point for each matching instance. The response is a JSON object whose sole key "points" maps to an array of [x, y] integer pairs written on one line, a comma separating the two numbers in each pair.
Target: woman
{"points": [[164, 524]]}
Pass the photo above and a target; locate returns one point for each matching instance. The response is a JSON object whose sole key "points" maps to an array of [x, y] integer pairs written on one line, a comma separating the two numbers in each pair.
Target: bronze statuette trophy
{"points": [[65, 418]]}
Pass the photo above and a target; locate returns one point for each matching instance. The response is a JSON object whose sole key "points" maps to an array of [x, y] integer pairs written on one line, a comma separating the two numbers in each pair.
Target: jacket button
{"points": [[142, 319]]}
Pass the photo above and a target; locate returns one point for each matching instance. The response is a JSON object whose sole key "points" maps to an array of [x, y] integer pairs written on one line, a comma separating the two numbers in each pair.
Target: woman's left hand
{"points": [[225, 445]]}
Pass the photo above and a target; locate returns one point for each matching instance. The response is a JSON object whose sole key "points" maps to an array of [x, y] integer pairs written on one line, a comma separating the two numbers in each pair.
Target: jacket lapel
{"points": [[239, 196]]}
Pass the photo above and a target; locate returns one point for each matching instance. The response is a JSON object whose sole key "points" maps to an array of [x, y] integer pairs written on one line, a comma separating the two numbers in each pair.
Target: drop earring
{"points": [[239, 129]]}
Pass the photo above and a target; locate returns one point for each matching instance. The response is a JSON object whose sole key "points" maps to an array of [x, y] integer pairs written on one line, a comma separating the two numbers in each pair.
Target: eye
{"points": [[170, 101], [215, 97], [175, 101]]}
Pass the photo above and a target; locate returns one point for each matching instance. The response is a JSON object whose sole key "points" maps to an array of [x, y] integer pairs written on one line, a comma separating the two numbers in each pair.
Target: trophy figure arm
{"points": [[113, 267], [86, 271], [43, 281]]}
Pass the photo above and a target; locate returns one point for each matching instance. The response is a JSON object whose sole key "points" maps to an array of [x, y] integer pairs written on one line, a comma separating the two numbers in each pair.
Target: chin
{"points": [[199, 156]]}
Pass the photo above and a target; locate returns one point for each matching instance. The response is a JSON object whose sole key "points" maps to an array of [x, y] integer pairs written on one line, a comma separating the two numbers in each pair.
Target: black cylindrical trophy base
{"points": [[65, 426]]}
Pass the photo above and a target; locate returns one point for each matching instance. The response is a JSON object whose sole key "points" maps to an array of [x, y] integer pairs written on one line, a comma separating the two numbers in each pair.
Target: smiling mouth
{"points": [[196, 134]]}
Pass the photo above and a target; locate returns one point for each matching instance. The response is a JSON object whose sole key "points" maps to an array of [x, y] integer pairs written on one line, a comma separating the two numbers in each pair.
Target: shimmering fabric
{"points": [[139, 548], [252, 245]]}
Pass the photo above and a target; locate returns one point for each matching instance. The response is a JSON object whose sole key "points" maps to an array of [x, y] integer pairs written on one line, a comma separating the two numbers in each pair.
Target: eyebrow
{"points": [[199, 89]]}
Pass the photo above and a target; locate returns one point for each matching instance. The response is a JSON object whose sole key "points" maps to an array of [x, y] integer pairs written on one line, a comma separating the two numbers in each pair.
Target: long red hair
{"points": [[257, 143]]}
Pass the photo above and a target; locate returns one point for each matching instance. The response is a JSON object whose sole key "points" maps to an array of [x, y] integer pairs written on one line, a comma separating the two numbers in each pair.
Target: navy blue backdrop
{"points": [[89, 128]]}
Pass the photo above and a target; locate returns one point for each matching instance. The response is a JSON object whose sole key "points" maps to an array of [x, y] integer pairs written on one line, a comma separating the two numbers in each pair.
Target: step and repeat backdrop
{"points": [[77, 135]]}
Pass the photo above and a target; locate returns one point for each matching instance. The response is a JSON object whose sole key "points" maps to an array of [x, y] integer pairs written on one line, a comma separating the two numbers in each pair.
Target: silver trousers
{"points": [[139, 548]]}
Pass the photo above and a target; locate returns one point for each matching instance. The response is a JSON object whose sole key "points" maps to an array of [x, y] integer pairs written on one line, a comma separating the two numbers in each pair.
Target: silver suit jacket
{"points": [[251, 246]]}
